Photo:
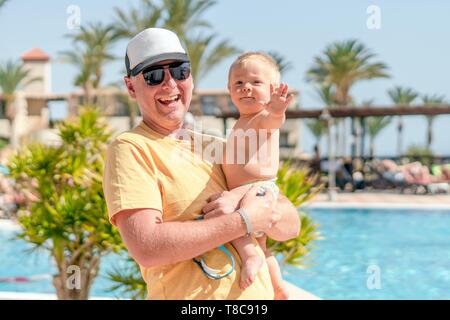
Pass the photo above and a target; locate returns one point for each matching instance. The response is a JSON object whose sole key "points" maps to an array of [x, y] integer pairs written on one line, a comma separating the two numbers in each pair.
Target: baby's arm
{"points": [[276, 108]]}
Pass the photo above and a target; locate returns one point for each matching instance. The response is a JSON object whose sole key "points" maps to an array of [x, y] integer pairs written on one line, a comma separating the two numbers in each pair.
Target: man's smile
{"points": [[169, 100]]}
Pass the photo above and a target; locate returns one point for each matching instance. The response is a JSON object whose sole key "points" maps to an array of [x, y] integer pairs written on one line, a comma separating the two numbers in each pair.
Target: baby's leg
{"points": [[251, 261], [279, 288]]}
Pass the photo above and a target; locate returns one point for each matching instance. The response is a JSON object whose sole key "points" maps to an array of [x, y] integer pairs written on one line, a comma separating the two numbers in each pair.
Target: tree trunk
{"points": [[353, 142], [430, 134], [400, 137], [87, 93], [10, 114], [65, 282], [337, 136], [363, 136], [344, 138], [372, 147], [13, 138]]}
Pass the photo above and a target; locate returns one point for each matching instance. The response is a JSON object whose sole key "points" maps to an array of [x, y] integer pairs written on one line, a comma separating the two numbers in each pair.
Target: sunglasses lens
{"points": [[154, 77], [181, 72]]}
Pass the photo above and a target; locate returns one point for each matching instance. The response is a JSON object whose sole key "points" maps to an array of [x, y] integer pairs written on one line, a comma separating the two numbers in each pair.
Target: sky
{"points": [[413, 40]]}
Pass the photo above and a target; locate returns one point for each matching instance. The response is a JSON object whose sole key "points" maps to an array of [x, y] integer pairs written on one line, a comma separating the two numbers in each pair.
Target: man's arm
{"points": [[287, 228], [152, 242]]}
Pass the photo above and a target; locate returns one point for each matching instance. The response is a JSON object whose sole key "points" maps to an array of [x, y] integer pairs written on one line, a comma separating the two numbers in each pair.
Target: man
{"points": [[156, 188]]}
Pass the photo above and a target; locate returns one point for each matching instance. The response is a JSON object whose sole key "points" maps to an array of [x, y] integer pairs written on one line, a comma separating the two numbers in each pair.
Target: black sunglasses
{"points": [[154, 75]]}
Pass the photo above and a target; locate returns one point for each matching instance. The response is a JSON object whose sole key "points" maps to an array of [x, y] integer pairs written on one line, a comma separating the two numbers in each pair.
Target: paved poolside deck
{"points": [[382, 199]]}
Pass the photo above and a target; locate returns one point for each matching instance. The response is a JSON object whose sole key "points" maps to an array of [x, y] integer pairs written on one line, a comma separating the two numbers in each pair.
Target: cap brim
{"points": [[166, 56]]}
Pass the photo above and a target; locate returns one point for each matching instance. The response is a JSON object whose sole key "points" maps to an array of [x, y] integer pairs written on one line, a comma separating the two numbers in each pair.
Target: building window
{"points": [[284, 140], [2, 109], [231, 106]]}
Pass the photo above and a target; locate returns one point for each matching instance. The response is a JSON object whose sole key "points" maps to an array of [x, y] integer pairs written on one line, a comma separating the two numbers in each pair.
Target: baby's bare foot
{"points": [[281, 291], [249, 270]]}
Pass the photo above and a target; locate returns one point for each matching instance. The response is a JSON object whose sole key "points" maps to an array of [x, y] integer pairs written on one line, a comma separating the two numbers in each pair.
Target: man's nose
{"points": [[168, 82]]}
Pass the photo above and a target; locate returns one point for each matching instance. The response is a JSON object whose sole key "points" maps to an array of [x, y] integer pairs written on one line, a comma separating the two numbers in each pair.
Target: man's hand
{"points": [[279, 100], [260, 209], [225, 202]]}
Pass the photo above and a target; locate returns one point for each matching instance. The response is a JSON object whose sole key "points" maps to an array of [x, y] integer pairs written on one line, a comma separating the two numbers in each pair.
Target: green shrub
{"points": [[298, 186], [70, 218]]}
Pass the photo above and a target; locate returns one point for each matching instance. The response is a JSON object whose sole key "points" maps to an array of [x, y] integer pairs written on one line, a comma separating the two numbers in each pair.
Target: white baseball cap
{"points": [[150, 46]]}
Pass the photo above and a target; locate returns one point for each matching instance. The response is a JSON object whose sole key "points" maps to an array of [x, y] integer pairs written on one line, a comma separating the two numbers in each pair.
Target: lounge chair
{"points": [[386, 178], [412, 176]]}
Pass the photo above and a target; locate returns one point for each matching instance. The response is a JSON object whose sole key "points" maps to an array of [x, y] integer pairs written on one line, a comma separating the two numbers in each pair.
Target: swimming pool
{"points": [[16, 261], [367, 254], [378, 254]]}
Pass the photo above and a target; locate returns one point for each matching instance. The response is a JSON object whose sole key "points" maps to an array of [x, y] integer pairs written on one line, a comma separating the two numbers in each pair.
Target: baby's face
{"points": [[249, 86]]}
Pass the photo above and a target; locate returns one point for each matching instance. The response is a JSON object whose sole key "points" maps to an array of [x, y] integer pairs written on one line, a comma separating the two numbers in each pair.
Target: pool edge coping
{"points": [[374, 205]]}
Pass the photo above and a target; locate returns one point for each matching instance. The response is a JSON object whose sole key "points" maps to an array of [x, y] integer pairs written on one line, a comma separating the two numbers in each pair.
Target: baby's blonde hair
{"points": [[261, 56]]}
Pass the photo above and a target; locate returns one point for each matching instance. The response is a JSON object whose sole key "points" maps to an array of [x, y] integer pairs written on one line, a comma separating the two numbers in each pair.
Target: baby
{"points": [[252, 149]]}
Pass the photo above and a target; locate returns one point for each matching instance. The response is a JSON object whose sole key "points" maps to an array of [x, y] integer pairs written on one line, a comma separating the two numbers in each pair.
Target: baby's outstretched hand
{"points": [[279, 99]]}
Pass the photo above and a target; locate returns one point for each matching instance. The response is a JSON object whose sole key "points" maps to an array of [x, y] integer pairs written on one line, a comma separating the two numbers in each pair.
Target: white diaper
{"points": [[262, 187]]}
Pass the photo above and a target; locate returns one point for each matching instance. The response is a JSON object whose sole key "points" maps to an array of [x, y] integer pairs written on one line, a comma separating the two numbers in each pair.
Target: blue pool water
{"points": [[403, 254], [366, 254], [16, 260]]}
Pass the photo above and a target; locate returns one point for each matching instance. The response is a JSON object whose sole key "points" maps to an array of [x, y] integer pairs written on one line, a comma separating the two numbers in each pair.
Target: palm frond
{"points": [[283, 64], [342, 64]]}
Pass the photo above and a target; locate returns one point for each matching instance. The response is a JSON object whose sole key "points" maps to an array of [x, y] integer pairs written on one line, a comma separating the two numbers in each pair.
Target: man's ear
{"points": [[130, 87]]}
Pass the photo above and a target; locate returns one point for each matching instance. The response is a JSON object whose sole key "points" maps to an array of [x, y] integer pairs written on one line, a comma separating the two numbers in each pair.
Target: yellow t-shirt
{"points": [[147, 170]]}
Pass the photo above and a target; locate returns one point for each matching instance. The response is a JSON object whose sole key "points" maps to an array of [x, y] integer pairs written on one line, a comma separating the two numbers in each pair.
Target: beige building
{"points": [[33, 120]]}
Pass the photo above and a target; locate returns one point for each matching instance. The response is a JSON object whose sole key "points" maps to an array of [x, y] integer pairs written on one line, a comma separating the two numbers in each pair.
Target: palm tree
{"points": [[375, 125], [317, 128], [2, 2], [82, 60], [325, 94], [12, 77], [181, 16], [283, 64], [147, 15], [184, 18], [402, 97], [93, 46], [432, 101], [205, 54], [342, 65]]}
